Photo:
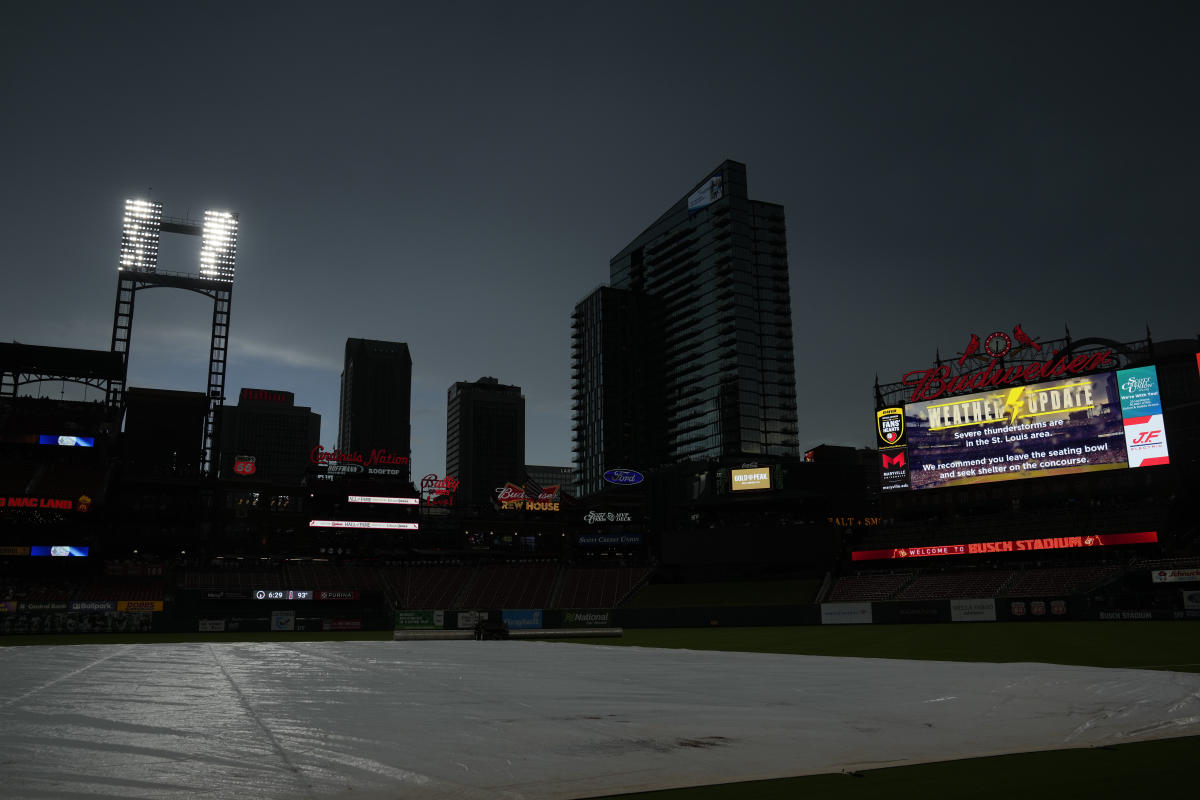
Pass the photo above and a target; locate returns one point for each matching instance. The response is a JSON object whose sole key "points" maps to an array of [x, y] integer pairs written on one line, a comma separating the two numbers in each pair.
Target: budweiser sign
{"points": [[940, 381], [375, 458], [512, 497]]}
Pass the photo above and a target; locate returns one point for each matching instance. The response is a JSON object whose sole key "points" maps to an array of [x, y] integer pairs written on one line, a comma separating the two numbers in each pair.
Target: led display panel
{"points": [[363, 524], [57, 550], [1008, 546], [1081, 423], [66, 441], [391, 501], [744, 479]]}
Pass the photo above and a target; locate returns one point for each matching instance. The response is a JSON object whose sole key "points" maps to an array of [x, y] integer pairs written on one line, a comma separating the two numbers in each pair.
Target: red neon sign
{"points": [[929, 384], [376, 458], [1008, 546], [265, 394], [55, 503]]}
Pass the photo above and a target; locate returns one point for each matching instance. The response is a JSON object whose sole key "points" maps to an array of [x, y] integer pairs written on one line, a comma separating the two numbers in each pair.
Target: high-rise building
{"points": [[485, 438], [715, 265], [376, 398], [617, 405], [267, 437]]}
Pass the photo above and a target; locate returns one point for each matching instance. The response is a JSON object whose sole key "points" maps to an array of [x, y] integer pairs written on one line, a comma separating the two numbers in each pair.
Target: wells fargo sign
{"points": [[939, 381]]}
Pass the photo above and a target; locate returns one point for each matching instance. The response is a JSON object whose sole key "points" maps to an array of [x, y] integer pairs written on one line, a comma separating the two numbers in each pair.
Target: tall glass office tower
{"points": [[376, 398], [716, 263]]}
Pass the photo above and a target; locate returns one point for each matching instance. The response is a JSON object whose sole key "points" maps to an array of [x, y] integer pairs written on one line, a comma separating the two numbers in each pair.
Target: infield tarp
{"points": [[527, 719]]}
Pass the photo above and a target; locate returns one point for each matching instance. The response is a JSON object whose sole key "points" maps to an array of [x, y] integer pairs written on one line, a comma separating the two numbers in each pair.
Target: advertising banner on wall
{"points": [[211, 626], [283, 620], [582, 618], [467, 619], [973, 610], [522, 619], [341, 624], [413, 619], [139, 605], [608, 540], [1191, 601], [1175, 576], [846, 614]]}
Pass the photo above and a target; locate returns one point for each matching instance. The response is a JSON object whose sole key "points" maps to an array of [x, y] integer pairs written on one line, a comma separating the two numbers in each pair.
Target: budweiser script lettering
{"points": [[929, 384]]}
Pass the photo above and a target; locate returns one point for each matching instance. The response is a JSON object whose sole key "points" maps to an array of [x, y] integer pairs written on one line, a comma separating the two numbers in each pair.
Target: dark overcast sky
{"points": [[457, 178]]}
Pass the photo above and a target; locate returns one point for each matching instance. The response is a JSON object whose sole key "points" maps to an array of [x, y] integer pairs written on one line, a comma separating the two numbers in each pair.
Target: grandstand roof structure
{"points": [[29, 363]]}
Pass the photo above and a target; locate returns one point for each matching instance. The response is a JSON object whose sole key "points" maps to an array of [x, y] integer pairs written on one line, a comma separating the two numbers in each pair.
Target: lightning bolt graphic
{"points": [[1014, 400]]}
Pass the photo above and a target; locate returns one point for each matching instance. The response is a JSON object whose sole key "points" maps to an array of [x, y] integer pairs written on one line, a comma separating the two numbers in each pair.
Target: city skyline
{"points": [[458, 180]]}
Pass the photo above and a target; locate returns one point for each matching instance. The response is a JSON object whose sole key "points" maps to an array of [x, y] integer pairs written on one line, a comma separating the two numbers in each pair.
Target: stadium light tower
{"points": [[143, 226]]}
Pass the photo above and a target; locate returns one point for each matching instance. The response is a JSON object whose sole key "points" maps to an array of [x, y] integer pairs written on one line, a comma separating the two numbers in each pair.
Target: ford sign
{"points": [[624, 477]]}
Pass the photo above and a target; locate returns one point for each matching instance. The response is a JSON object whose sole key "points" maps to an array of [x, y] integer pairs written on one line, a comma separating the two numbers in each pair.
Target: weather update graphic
{"points": [[1107, 420]]}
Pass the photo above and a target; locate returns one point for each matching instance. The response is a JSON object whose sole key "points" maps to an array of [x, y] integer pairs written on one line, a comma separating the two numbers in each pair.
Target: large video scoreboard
{"points": [[1076, 423]]}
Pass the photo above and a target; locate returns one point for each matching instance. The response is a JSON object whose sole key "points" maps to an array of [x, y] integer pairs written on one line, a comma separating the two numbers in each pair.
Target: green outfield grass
{"points": [[1138, 645], [1124, 771], [728, 593], [1127, 771]]}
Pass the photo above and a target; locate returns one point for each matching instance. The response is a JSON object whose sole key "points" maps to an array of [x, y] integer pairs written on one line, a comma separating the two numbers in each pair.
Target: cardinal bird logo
{"points": [[972, 349], [1022, 337]]}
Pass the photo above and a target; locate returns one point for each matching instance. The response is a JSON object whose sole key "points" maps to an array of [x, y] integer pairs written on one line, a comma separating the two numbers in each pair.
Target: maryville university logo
{"points": [[895, 461]]}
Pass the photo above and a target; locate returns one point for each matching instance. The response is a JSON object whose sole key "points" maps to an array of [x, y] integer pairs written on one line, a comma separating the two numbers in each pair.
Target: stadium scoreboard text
{"points": [[1077, 423]]}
